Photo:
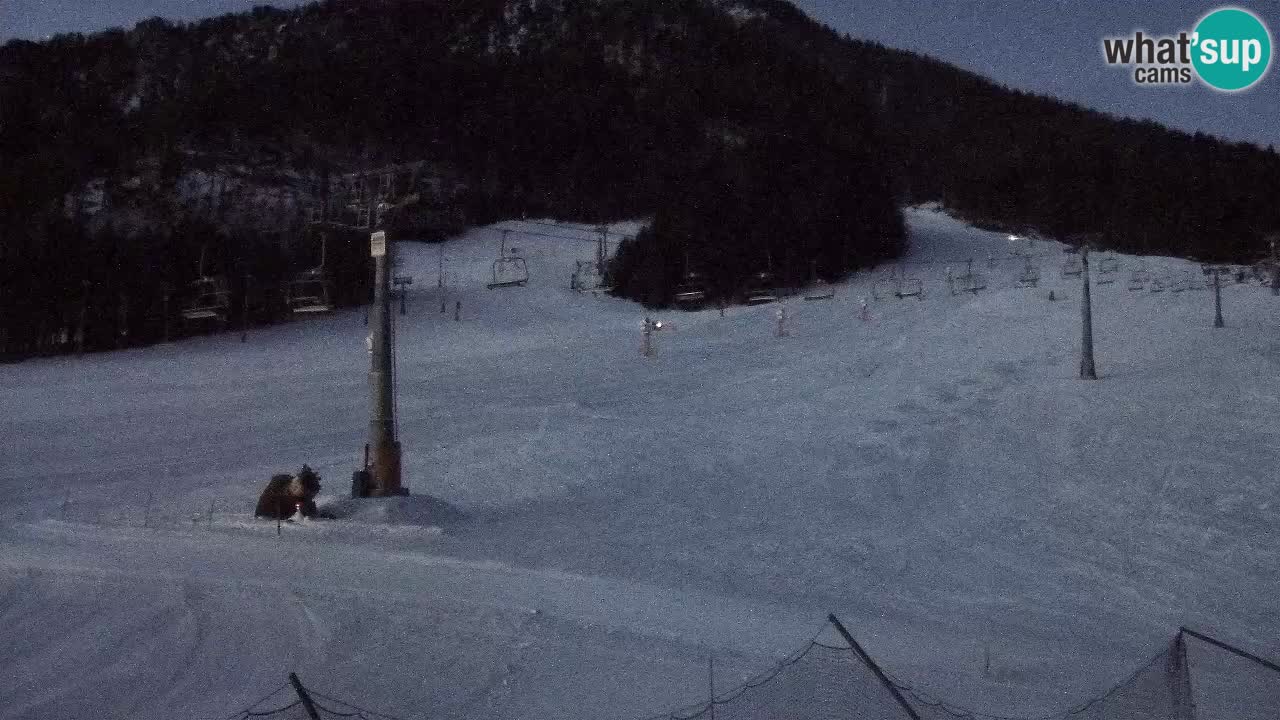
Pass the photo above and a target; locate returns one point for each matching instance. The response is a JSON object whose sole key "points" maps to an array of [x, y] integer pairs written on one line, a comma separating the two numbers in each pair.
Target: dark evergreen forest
{"points": [[755, 139]]}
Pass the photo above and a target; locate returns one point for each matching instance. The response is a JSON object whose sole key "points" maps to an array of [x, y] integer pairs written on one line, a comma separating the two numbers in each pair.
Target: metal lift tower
{"points": [[384, 445]]}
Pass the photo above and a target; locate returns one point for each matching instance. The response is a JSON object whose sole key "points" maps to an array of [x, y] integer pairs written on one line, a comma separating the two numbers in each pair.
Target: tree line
{"points": [[756, 141]]}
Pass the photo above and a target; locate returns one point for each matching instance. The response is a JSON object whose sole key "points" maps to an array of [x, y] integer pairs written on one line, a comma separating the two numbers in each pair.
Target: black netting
{"points": [[819, 683], [292, 707], [1187, 680], [1159, 690], [1229, 687]]}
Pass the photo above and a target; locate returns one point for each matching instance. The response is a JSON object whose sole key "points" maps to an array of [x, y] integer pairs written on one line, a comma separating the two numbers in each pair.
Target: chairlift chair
{"points": [[509, 272], [761, 290], [971, 282], [1262, 271], [1030, 276], [210, 297], [585, 276], [1107, 268], [821, 290], [1159, 284], [210, 300], [307, 293], [884, 288], [692, 292], [1072, 267], [910, 287], [1138, 280]]}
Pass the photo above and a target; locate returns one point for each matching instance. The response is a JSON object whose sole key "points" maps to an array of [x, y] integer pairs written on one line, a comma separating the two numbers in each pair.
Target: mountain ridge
{"points": [[688, 112]]}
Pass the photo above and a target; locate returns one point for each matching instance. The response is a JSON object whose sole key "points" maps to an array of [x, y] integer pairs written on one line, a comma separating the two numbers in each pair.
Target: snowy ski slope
{"points": [[589, 525]]}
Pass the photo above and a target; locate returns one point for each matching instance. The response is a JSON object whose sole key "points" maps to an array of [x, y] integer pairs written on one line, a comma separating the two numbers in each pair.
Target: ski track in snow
{"points": [[600, 523]]}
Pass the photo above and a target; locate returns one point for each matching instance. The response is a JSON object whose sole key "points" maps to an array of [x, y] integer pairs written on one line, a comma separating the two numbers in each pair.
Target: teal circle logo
{"points": [[1232, 49]]}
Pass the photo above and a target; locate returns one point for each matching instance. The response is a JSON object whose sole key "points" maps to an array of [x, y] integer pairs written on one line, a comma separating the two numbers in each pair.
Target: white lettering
{"points": [[1252, 54], [1209, 51]]}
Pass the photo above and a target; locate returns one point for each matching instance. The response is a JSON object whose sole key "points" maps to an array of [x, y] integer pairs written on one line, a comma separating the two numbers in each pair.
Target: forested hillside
{"points": [[755, 139]]}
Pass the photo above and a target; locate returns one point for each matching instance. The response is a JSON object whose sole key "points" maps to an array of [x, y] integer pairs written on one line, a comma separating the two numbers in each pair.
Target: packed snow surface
{"points": [[588, 526]]}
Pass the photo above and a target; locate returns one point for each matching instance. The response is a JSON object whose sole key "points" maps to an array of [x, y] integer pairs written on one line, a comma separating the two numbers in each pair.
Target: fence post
{"points": [[244, 311], [1217, 300], [122, 322], [646, 347], [711, 682], [862, 655], [165, 291], [1275, 269], [1184, 697], [84, 314], [307, 704]]}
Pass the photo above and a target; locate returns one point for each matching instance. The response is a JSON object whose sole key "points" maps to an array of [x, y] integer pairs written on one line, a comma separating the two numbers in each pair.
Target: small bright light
{"points": [[657, 325], [1013, 238]]}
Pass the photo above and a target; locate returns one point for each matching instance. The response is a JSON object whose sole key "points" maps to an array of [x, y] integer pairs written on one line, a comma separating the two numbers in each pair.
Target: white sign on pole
{"points": [[378, 244]]}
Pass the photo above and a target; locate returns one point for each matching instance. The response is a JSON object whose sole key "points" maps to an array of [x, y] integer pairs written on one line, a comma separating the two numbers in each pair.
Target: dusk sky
{"points": [[1045, 46]]}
